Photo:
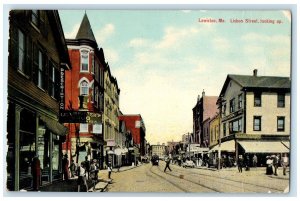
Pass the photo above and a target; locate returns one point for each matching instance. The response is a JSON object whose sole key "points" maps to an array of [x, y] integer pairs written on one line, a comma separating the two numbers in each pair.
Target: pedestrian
{"points": [[81, 172], [109, 170], [36, 173], [65, 167], [167, 164], [87, 167], [284, 163], [240, 163], [269, 163], [254, 160], [247, 163], [72, 168], [275, 163], [94, 173]]}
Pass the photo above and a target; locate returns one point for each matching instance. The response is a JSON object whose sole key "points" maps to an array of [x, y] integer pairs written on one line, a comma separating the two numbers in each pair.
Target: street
{"points": [[148, 178]]}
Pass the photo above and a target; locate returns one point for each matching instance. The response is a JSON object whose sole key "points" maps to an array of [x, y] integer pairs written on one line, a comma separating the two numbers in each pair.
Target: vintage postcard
{"points": [[186, 101]]}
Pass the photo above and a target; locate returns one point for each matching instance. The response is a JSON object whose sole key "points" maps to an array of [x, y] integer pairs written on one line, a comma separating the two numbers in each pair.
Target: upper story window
{"points": [[232, 105], [240, 105], [224, 129], [280, 123], [224, 109], [39, 66], [84, 128], [257, 99], [21, 51], [84, 67], [280, 100], [35, 17], [93, 63], [257, 123], [52, 78], [84, 88]]}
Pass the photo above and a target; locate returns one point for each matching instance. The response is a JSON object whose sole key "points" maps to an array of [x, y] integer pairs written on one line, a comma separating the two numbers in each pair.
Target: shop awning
{"points": [[54, 126], [228, 146], [265, 146]]}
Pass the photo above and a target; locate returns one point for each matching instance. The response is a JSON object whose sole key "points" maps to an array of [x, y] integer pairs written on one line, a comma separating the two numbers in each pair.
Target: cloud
{"points": [[104, 33], [175, 36], [73, 32], [111, 56], [138, 42]]}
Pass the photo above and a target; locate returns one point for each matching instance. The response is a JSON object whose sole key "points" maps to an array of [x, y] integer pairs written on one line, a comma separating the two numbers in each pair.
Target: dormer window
{"points": [[84, 67]]}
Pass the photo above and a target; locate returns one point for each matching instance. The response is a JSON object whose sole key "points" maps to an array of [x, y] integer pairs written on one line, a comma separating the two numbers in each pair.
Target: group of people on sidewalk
{"points": [[87, 170], [272, 163]]}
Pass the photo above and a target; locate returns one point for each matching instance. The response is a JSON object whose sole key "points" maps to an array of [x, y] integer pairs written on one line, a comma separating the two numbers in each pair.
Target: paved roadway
{"points": [[148, 178]]}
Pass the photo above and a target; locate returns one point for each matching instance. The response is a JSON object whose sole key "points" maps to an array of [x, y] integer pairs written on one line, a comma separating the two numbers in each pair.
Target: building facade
{"points": [[159, 150], [137, 128], [37, 54], [255, 114], [111, 114], [84, 97], [205, 108]]}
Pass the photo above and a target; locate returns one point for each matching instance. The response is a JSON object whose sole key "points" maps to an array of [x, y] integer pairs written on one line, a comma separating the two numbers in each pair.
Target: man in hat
{"points": [[109, 169], [94, 172], [275, 163]]}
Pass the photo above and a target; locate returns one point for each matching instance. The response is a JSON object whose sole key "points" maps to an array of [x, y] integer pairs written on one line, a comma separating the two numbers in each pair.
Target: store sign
{"points": [[110, 143], [62, 89], [93, 118], [68, 116]]}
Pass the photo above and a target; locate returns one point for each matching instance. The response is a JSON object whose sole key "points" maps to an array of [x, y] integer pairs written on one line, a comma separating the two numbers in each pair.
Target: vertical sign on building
{"points": [[62, 90]]}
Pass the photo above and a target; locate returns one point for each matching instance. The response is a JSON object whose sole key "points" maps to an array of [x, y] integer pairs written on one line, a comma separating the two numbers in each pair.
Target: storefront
{"points": [[31, 133]]}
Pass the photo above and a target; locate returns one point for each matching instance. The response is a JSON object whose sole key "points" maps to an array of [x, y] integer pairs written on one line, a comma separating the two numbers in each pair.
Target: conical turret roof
{"points": [[85, 31]]}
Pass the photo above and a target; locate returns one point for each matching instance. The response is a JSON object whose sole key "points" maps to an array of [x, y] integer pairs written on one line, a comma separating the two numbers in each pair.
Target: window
{"points": [[235, 126], [224, 129], [84, 88], [52, 79], [240, 105], [232, 105], [84, 61], [35, 16], [21, 51], [280, 123], [257, 123], [39, 67], [96, 97], [257, 99], [84, 128], [93, 64], [280, 100], [224, 109]]}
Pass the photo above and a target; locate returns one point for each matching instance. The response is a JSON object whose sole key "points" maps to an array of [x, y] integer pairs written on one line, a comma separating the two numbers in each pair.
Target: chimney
{"points": [[255, 72], [203, 93]]}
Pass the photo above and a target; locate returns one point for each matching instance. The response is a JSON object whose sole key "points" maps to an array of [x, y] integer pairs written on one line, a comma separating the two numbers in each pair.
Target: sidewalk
{"points": [[71, 184]]}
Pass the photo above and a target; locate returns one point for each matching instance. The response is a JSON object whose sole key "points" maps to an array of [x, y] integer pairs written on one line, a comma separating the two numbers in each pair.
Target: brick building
{"points": [[84, 96], [137, 128]]}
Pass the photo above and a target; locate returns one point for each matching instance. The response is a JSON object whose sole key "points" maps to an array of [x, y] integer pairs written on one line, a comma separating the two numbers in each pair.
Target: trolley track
{"points": [[180, 187]]}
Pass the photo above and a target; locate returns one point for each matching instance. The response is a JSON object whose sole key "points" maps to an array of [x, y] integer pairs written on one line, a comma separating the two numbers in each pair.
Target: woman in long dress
{"points": [[269, 168]]}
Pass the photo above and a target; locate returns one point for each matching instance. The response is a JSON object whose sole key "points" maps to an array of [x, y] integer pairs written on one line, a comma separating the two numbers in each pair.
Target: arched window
{"points": [[84, 88]]}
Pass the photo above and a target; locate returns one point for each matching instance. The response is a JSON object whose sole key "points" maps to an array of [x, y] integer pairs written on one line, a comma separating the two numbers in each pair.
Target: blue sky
{"points": [[163, 59]]}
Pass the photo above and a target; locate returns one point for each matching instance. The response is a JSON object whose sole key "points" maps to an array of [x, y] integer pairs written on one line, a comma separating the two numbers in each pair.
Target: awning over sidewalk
{"points": [[54, 126], [265, 146], [228, 146]]}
